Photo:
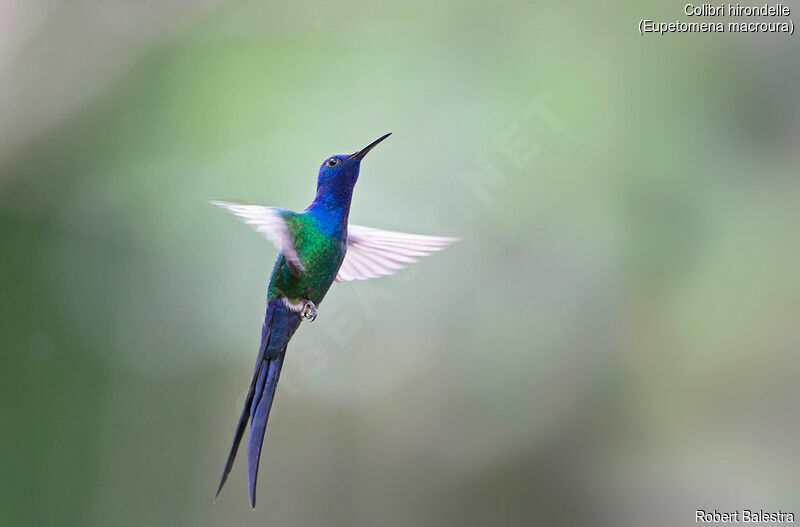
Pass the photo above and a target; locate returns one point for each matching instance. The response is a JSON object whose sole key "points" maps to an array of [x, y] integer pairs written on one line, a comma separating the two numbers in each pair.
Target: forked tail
{"points": [[280, 324]]}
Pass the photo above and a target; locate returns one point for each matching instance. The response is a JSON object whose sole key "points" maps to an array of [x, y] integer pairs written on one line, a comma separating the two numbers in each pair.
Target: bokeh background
{"points": [[614, 342]]}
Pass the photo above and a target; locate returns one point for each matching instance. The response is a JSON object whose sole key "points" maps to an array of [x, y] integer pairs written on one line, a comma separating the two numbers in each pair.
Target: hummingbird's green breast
{"points": [[320, 254]]}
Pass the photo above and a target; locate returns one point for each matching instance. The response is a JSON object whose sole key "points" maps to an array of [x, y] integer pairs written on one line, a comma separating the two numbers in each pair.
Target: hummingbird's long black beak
{"points": [[361, 153]]}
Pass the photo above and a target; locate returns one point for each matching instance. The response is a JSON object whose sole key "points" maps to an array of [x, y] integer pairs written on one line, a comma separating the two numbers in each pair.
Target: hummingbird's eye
{"points": [[332, 162]]}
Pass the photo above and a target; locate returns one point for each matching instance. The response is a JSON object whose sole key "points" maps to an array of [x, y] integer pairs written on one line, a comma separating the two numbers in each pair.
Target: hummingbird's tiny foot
{"points": [[309, 311]]}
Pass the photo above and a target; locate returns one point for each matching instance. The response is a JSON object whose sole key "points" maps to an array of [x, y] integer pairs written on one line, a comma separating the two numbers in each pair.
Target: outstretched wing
{"points": [[274, 223], [373, 252]]}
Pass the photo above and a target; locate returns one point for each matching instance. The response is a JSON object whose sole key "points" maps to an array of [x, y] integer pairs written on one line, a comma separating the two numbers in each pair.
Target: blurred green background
{"points": [[614, 342]]}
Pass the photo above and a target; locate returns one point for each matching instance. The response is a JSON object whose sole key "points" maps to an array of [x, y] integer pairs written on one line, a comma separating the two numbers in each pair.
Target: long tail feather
{"points": [[245, 415], [258, 426], [280, 324]]}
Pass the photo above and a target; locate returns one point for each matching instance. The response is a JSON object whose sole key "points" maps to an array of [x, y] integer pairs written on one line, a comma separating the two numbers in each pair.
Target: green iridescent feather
{"points": [[321, 256]]}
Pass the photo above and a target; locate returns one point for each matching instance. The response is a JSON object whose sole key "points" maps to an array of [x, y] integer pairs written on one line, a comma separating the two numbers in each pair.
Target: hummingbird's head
{"points": [[341, 170]]}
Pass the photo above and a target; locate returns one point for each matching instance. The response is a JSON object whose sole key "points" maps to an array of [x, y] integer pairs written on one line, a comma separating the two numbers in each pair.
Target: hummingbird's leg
{"points": [[309, 310]]}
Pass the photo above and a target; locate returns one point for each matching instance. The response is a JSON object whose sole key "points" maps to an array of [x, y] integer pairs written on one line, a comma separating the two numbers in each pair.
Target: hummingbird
{"points": [[316, 247]]}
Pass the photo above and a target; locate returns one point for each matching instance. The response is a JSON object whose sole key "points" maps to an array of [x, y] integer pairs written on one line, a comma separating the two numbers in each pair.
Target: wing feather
{"points": [[374, 252], [271, 222]]}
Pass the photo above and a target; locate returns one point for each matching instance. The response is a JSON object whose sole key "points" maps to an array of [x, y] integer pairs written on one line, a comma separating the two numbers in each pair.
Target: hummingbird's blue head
{"points": [[340, 172]]}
